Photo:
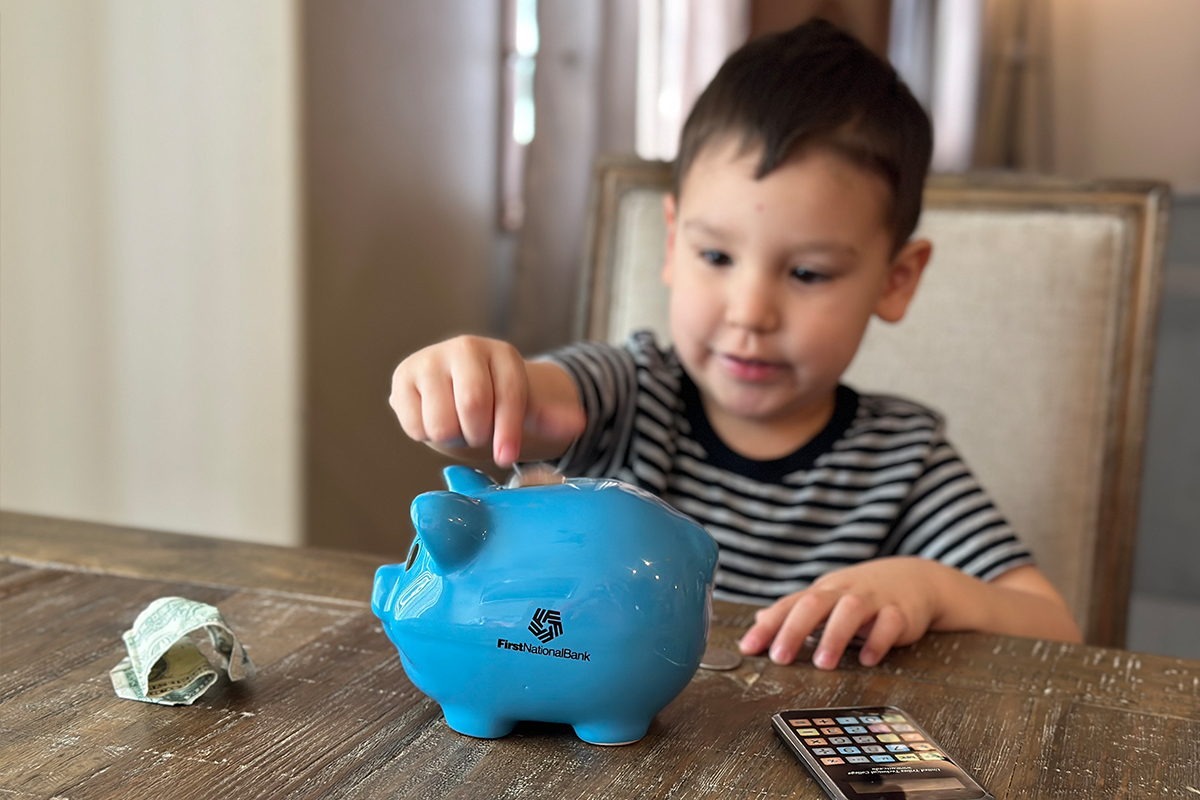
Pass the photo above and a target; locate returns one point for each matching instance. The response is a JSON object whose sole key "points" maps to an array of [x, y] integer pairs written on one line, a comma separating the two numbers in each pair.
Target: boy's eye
{"points": [[716, 258], [805, 275]]}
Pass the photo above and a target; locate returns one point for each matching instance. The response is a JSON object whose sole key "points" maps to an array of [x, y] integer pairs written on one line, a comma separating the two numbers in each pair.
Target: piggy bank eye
{"points": [[412, 554]]}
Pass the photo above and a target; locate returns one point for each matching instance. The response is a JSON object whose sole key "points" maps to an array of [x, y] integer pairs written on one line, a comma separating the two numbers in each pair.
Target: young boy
{"points": [[797, 188]]}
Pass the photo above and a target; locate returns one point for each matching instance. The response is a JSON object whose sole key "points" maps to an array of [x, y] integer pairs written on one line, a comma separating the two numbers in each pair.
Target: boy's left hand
{"points": [[888, 601]]}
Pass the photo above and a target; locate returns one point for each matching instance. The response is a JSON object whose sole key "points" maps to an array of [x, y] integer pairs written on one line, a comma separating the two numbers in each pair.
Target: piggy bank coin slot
{"points": [[412, 554]]}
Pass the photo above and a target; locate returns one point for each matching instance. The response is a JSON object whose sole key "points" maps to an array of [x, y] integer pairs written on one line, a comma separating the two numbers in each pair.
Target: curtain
{"points": [[585, 96], [1015, 121], [981, 69], [611, 74], [681, 45]]}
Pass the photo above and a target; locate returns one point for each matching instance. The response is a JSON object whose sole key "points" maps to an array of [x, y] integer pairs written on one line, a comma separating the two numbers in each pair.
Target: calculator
{"points": [[873, 752]]}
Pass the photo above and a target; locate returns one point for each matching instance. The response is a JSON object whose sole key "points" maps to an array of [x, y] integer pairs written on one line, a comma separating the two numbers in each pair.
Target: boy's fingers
{"points": [[848, 615], [406, 402], [438, 413], [473, 400], [767, 622], [809, 611], [511, 391], [889, 625]]}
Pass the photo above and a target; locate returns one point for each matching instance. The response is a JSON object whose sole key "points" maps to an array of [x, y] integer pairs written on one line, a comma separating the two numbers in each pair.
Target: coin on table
{"points": [[716, 658]]}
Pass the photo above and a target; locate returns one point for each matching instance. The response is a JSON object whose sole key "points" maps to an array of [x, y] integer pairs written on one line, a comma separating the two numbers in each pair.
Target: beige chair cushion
{"points": [[1011, 336], [639, 299]]}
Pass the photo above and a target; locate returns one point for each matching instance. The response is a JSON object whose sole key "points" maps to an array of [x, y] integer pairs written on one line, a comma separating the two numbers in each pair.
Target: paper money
{"points": [[165, 665]]}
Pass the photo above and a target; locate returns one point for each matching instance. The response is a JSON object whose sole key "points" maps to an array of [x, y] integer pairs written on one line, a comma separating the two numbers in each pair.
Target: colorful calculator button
{"points": [[800, 723], [888, 737], [855, 729], [932, 757], [834, 731], [873, 748], [824, 751], [808, 732], [869, 720], [817, 742], [830, 762], [858, 759], [849, 751], [902, 728], [907, 757], [912, 737], [879, 727], [847, 720], [898, 748], [893, 718], [882, 759], [922, 746], [822, 721], [864, 740], [839, 740]]}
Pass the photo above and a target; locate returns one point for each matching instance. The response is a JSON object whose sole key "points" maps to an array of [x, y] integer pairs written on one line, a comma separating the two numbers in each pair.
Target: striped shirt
{"points": [[879, 480]]}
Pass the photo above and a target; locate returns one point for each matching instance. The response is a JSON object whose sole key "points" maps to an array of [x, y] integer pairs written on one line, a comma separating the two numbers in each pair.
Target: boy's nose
{"points": [[752, 303]]}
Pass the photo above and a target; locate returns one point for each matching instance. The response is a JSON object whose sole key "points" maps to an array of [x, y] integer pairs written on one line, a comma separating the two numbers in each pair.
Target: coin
{"points": [[715, 658], [535, 474]]}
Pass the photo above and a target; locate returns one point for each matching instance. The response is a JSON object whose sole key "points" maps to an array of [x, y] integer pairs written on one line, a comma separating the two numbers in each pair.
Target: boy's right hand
{"points": [[464, 394]]}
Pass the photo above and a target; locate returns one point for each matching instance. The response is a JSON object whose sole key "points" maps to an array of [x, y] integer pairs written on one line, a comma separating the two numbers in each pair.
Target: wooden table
{"points": [[331, 713]]}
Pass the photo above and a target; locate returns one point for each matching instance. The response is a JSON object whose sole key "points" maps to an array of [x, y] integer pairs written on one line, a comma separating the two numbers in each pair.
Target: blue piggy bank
{"points": [[585, 603]]}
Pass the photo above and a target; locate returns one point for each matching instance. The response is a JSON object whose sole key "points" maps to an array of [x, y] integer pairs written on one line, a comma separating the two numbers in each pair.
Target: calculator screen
{"points": [[879, 753]]}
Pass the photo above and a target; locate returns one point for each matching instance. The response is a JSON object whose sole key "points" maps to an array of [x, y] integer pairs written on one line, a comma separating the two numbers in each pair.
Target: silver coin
{"points": [[535, 474], [715, 658]]}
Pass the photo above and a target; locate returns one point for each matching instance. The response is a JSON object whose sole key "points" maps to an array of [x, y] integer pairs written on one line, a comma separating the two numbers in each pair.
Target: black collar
{"points": [[720, 455]]}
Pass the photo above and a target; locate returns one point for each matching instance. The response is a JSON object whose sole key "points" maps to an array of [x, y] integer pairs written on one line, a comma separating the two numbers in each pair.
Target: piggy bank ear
{"points": [[451, 526], [465, 480]]}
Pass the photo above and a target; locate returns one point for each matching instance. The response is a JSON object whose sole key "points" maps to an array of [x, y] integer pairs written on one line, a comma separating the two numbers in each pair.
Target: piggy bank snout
{"points": [[451, 526], [387, 579]]}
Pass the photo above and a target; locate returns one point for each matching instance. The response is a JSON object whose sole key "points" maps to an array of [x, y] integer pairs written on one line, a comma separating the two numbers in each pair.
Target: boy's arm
{"points": [[474, 398], [1021, 602], [894, 601]]}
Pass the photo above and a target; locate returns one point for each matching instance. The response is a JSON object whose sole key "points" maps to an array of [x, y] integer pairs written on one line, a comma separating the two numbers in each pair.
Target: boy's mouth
{"points": [[750, 369]]}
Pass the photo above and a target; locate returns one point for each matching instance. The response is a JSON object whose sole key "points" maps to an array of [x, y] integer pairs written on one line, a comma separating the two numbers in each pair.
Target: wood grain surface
{"points": [[331, 713]]}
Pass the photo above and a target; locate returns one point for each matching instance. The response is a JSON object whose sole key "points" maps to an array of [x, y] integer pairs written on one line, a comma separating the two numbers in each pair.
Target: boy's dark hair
{"points": [[815, 86]]}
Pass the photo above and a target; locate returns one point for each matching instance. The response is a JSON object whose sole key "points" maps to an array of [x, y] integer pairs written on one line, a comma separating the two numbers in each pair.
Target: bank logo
{"points": [[546, 625]]}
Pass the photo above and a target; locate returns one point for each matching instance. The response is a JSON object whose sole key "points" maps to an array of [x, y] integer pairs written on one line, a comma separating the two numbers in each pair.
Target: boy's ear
{"points": [[904, 273], [669, 215]]}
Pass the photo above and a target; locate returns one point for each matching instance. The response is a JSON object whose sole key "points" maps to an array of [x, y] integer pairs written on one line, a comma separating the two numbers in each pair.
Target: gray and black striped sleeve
{"points": [[606, 379], [948, 517]]}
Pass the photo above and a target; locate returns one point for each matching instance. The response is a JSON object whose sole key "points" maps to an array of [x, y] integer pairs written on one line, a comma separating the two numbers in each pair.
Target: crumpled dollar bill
{"points": [[165, 665]]}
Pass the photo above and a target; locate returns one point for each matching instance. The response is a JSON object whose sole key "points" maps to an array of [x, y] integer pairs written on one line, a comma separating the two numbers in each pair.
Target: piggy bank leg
{"points": [[472, 723], [612, 732]]}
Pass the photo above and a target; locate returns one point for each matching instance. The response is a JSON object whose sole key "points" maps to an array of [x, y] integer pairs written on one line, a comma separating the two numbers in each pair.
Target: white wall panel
{"points": [[148, 259]]}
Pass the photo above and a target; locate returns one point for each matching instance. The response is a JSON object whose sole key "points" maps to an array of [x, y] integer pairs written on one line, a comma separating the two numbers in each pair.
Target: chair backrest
{"points": [[1032, 332]]}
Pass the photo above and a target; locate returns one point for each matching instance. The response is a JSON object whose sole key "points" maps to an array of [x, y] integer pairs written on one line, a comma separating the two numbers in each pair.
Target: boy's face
{"points": [[773, 280]]}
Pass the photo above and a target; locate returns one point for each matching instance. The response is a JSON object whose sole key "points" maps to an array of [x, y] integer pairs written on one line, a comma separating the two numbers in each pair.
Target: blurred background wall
{"points": [[401, 120], [1124, 89], [223, 223], [149, 191]]}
